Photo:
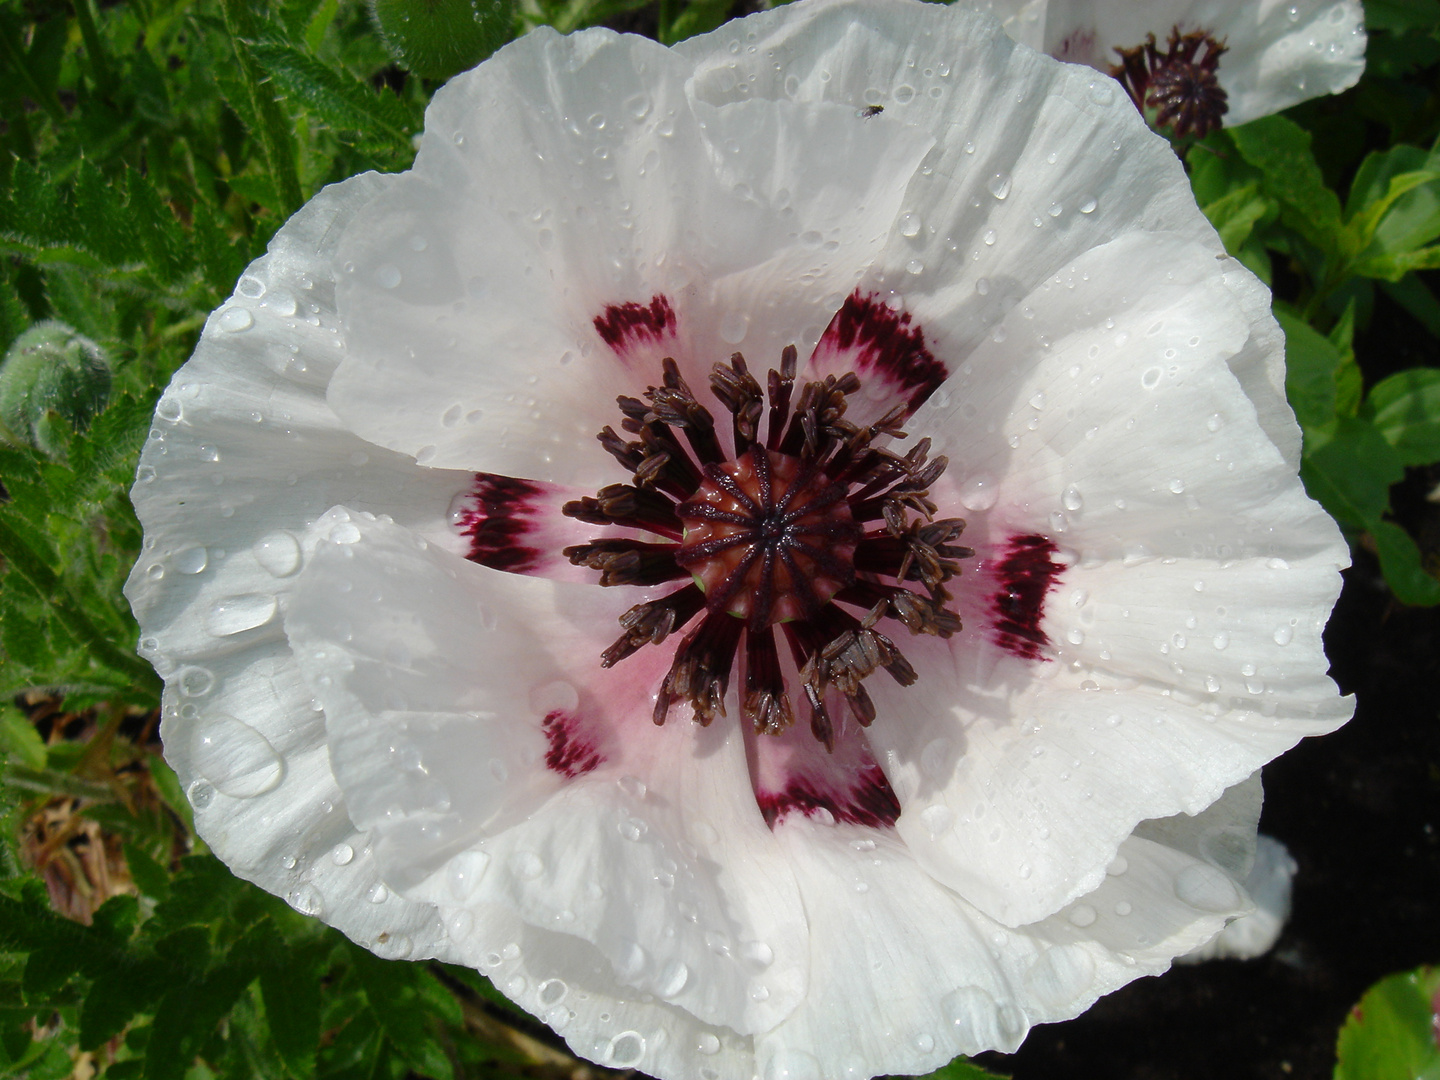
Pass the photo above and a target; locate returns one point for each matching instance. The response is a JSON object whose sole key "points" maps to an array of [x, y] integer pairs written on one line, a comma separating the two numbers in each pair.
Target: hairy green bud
{"points": [[441, 38], [51, 378]]}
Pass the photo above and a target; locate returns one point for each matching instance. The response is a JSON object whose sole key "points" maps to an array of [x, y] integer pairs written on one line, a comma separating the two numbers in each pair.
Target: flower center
{"points": [[809, 537], [1181, 84], [768, 538]]}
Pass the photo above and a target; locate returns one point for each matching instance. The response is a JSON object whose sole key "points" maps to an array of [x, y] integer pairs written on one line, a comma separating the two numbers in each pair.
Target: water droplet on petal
{"points": [[236, 614], [387, 276], [979, 493], [279, 554], [999, 185], [1207, 888], [190, 560], [624, 1051], [341, 854], [791, 1064], [1283, 634], [235, 320], [707, 1044], [235, 758]]}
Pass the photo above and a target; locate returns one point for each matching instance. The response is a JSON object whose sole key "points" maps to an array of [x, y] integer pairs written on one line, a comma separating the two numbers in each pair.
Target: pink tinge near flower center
{"points": [[807, 539], [1180, 84]]}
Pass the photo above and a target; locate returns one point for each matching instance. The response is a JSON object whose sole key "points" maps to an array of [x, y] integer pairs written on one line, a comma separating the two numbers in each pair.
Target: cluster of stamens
{"points": [[780, 538], [1180, 84]]}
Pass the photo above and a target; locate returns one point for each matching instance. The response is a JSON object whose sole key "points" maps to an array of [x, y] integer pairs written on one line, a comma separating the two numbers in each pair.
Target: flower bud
{"points": [[441, 38], [51, 379]]}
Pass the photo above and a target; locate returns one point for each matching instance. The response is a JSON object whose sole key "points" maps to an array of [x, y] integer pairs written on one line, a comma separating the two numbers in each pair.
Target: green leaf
{"points": [[1234, 215], [1403, 566], [1415, 297], [19, 741], [1389, 1035], [1351, 473], [1406, 410], [1280, 149], [292, 1009], [404, 998], [963, 1069], [152, 879], [1399, 16], [1311, 361], [333, 97]]}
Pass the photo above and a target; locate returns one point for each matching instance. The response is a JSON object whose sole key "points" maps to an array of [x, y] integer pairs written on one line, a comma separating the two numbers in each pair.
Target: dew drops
{"points": [[378, 893], [625, 1050], [1088, 206], [790, 1064], [999, 185], [452, 415], [990, 238], [306, 900], [236, 614], [201, 794], [527, 865], [1123, 908], [190, 560], [1061, 974], [1118, 866], [909, 225], [1102, 91], [235, 758], [707, 1044], [1283, 634], [1082, 915], [979, 492], [235, 320], [251, 287], [342, 854], [734, 326], [552, 992], [672, 980], [914, 266], [633, 828], [1206, 888], [1176, 486], [1221, 640], [278, 554], [925, 1042], [387, 276], [1072, 499], [196, 682], [757, 953]]}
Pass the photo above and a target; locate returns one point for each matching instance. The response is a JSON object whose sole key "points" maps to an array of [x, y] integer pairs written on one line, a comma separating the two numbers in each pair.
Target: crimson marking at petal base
{"points": [[885, 343], [870, 801], [622, 326], [497, 524], [569, 755], [1027, 573]]}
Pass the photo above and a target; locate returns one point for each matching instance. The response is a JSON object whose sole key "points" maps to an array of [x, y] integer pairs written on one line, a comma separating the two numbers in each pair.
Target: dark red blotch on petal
{"points": [[870, 801], [497, 523], [1027, 573], [623, 325], [569, 754], [885, 343]]}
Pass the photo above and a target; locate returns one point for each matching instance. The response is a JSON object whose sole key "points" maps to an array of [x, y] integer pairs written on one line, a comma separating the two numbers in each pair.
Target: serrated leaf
{"points": [[1311, 361], [399, 999], [117, 996], [1280, 149], [19, 741], [1389, 1035], [292, 1011], [1406, 410], [334, 97], [1350, 475], [186, 1016]]}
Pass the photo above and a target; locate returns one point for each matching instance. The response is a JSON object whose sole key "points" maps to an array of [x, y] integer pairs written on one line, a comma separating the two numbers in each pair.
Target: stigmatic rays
{"points": [[797, 546]]}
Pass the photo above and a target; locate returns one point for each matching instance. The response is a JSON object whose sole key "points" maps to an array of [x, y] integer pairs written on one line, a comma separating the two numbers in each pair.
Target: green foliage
{"points": [[1391, 1034], [149, 150]]}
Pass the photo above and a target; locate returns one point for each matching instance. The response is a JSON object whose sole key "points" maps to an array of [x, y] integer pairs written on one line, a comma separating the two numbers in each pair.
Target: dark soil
{"points": [[1359, 810]]}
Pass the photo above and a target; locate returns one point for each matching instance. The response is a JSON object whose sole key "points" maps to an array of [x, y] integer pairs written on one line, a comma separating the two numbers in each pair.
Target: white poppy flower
{"points": [[1198, 61], [385, 642]]}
